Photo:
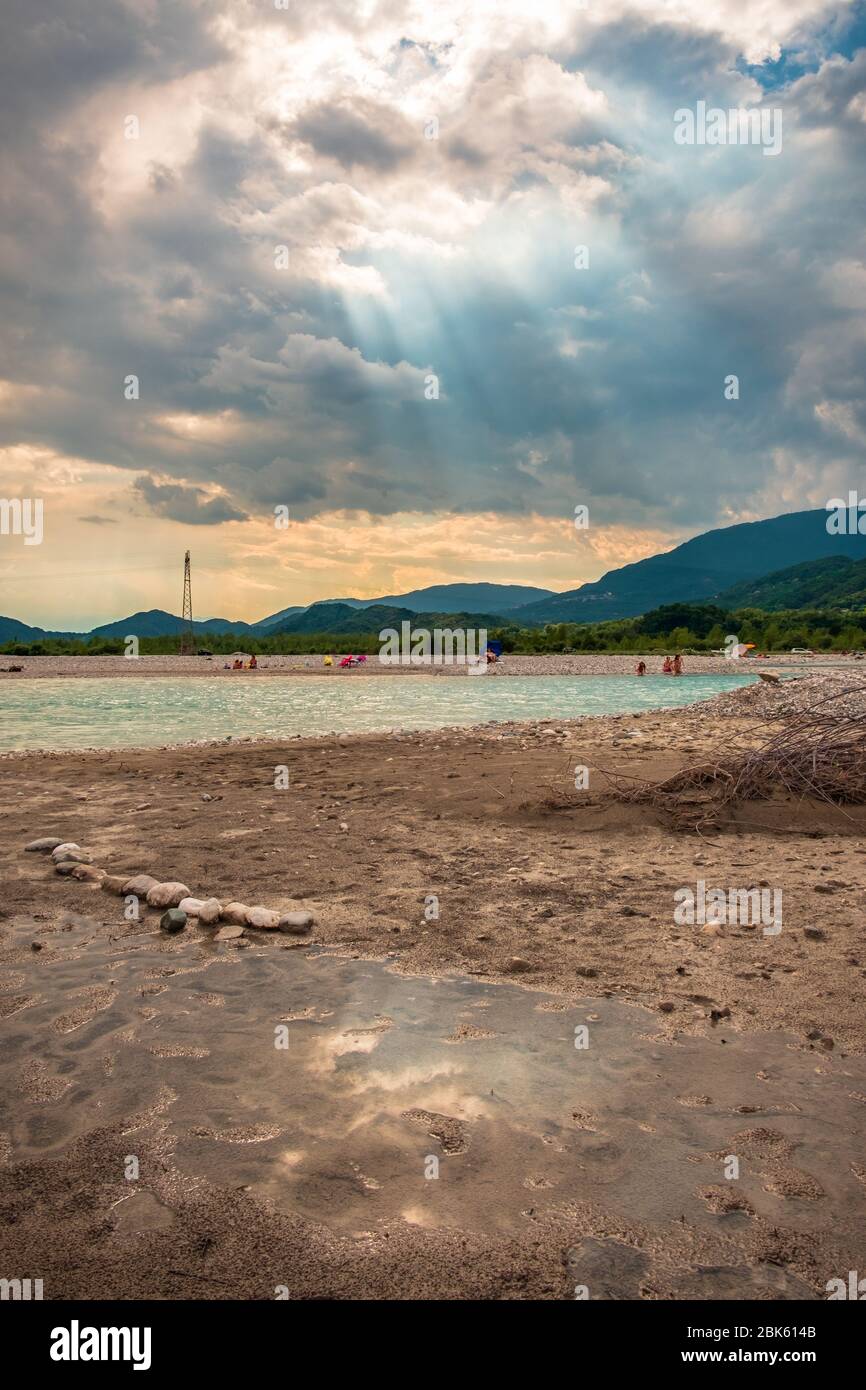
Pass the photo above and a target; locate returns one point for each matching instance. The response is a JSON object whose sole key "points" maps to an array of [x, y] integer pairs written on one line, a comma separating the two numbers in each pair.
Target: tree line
{"points": [[673, 627]]}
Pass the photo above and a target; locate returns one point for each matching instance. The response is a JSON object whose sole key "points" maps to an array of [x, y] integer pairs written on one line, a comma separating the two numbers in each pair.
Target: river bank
{"points": [[576, 884], [553, 664], [449, 863]]}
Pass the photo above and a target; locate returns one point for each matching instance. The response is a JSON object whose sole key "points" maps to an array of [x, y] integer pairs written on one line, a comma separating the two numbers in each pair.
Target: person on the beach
{"points": [[253, 662], [678, 665], [329, 660], [667, 669], [640, 669]]}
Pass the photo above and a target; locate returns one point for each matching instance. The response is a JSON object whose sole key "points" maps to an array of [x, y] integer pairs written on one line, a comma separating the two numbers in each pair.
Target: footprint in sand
{"points": [[760, 1143], [608, 1268], [98, 997], [371, 1184], [776, 1108], [382, 1025], [584, 1119], [178, 1050], [723, 1200], [467, 1032], [143, 1119], [239, 1134], [14, 1003], [38, 1085], [553, 1142], [451, 1133], [141, 1212], [793, 1184]]}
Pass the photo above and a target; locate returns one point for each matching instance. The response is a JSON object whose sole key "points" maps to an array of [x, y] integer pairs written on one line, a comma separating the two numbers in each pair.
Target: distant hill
{"points": [[153, 623], [319, 617], [453, 598], [437, 598], [702, 568], [834, 582], [341, 618], [13, 631], [157, 623], [274, 619]]}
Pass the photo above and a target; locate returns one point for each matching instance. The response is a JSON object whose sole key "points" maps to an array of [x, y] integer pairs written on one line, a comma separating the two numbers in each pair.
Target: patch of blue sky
{"points": [[841, 36]]}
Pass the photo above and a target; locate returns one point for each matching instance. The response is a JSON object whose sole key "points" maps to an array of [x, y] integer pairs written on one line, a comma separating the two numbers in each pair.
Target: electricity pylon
{"points": [[187, 636]]}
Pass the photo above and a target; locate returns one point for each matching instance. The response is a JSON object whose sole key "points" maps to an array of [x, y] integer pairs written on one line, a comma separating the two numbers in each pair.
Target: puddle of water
{"points": [[387, 1078], [141, 1212], [121, 712]]}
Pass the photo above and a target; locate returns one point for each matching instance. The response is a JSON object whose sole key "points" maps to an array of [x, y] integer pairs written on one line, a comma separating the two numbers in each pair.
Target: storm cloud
{"points": [[190, 505], [338, 252]]}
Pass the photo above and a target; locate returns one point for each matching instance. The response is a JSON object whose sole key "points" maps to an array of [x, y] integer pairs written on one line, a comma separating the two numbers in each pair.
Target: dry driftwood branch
{"points": [[819, 755]]}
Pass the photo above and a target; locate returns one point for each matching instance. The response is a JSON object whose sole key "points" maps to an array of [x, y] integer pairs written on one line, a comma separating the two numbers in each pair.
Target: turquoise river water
{"points": [[124, 712]]}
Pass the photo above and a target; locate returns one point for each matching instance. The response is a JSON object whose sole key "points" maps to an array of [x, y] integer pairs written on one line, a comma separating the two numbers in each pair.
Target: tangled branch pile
{"points": [[820, 755]]}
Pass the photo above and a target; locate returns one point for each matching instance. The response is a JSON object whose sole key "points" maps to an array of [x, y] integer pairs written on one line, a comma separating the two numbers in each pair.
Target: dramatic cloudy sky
{"points": [[302, 384]]}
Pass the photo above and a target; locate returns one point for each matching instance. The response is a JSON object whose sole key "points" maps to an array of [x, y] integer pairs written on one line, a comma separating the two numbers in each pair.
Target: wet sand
{"points": [[557, 1167]]}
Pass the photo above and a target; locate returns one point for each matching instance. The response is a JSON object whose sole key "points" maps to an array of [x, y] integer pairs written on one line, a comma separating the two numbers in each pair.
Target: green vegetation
{"points": [[834, 582], [703, 570], [696, 628], [674, 627]]}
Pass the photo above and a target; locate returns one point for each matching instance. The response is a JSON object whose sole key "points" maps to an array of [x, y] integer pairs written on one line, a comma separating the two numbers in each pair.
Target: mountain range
{"points": [[788, 561], [340, 617], [452, 605], [834, 582], [445, 598], [700, 569]]}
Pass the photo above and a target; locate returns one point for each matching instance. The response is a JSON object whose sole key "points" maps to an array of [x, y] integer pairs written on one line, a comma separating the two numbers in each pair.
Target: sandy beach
{"points": [[565, 896], [577, 664]]}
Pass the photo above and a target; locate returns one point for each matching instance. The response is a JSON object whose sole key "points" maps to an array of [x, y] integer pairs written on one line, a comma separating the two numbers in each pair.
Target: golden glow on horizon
{"points": [[105, 556]]}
